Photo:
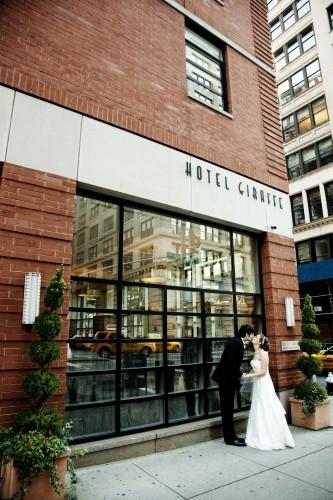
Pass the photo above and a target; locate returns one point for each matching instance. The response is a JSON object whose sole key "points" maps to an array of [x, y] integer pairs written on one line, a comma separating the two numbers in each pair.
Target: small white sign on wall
{"points": [[290, 345]]}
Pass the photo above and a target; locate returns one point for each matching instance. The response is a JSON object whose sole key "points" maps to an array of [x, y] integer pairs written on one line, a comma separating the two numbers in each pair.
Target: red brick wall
{"points": [[36, 212], [123, 62], [279, 276]]}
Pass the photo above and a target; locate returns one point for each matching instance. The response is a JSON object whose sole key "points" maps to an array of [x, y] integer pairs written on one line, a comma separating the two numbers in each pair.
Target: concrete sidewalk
{"points": [[215, 471]]}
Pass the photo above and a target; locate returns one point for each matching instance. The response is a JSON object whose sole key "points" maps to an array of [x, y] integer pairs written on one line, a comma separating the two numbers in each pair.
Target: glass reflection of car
{"points": [[77, 342], [144, 346], [326, 356]]}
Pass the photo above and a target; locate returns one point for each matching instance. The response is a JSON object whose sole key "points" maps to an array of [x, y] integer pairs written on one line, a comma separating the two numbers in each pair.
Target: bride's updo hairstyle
{"points": [[264, 342]]}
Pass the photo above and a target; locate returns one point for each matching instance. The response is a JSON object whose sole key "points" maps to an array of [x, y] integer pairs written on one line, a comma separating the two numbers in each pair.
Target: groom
{"points": [[228, 374]]}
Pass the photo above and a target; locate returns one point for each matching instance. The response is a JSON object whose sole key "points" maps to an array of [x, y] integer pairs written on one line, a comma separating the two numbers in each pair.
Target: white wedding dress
{"points": [[267, 427]]}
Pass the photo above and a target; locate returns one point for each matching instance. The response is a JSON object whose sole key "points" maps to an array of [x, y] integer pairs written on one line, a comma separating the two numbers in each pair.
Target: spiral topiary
{"points": [[40, 385], [309, 391]]}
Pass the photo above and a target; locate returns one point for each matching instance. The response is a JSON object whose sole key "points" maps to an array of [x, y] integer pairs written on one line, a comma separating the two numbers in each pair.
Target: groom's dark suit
{"points": [[227, 374]]}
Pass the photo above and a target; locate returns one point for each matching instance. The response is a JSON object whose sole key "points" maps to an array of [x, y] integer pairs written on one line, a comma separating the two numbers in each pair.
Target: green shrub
{"points": [[310, 331], [40, 386], [47, 325], [46, 419], [54, 295], [309, 366], [311, 393], [44, 352], [310, 346]]}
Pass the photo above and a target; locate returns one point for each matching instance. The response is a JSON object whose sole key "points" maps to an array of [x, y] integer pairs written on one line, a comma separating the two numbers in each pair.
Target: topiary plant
{"points": [[309, 391], [40, 436], [40, 385]]}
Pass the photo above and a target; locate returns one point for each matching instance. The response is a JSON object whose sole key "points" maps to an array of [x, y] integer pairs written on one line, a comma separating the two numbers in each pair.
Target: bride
{"points": [[267, 427]]}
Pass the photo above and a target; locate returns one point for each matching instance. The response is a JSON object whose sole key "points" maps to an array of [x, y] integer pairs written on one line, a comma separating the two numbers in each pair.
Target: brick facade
{"points": [[36, 212], [279, 277], [101, 60]]}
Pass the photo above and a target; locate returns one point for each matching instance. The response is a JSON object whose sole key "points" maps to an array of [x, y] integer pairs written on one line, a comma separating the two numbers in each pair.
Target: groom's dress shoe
{"points": [[242, 440], [236, 442]]}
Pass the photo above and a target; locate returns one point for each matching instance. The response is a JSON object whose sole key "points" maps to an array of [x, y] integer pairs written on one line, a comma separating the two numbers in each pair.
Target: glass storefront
{"points": [[154, 298]]}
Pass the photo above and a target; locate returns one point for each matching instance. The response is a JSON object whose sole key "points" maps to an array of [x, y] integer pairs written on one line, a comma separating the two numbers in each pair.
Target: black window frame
{"points": [[291, 94], [281, 17], [315, 205], [205, 36], [312, 249], [296, 121], [298, 41], [329, 10], [329, 198], [117, 310], [319, 162], [294, 209]]}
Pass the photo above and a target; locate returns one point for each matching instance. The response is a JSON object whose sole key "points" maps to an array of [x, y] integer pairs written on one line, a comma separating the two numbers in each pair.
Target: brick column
{"points": [[279, 277], [36, 231]]}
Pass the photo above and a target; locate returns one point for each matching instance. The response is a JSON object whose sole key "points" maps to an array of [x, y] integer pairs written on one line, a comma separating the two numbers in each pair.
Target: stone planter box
{"points": [[320, 419], [40, 487]]}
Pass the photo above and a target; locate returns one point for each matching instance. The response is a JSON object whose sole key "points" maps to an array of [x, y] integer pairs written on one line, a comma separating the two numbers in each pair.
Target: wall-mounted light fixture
{"points": [[290, 311], [32, 284]]}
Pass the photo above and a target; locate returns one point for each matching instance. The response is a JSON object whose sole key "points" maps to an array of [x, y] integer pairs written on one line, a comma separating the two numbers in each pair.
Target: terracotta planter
{"points": [[319, 420], [40, 487]]}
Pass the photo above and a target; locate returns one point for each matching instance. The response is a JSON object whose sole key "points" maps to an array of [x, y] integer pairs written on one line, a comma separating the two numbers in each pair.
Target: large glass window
{"points": [[145, 336], [205, 71]]}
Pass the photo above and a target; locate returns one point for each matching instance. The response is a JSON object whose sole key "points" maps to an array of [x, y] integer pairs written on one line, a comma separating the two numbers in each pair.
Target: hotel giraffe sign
{"points": [[242, 188]]}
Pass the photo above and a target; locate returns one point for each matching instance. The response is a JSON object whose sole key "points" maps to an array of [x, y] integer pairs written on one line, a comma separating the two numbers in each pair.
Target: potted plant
{"points": [[35, 453], [310, 404]]}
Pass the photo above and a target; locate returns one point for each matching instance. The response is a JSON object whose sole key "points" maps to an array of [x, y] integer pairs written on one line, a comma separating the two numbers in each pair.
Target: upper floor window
{"points": [[93, 232], [314, 250], [289, 17], [299, 82], [302, 7], [329, 197], [311, 158], [108, 224], [94, 211], [297, 209], [205, 71], [315, 207], [303, 251], [295, 47], [305, 119], [147, 228], [330, 15], [271, 4]]}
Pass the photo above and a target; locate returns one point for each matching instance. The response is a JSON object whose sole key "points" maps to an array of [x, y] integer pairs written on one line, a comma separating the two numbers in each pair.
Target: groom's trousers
{"points": [[227, 395]]}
